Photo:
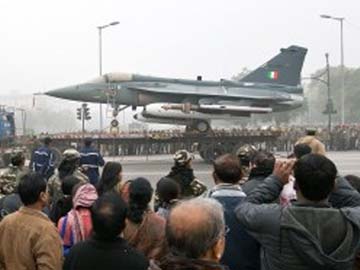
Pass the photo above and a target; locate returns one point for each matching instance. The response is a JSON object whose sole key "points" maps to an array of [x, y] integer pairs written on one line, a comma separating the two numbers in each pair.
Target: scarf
{"points": [[77, 224]]}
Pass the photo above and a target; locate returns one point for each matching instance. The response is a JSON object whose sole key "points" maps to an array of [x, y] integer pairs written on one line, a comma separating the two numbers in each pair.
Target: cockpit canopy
{"points": [[113, 77]]}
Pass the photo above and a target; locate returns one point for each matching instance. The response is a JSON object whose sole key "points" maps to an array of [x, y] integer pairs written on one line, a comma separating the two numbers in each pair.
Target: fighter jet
{"points": [[273, 87]]}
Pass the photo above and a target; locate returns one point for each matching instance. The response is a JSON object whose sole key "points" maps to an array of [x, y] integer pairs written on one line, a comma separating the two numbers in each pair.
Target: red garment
{"points": [[76, 225]]}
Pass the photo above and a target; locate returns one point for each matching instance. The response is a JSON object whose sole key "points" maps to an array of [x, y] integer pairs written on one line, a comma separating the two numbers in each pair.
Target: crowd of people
{"points": [[261, 213]]}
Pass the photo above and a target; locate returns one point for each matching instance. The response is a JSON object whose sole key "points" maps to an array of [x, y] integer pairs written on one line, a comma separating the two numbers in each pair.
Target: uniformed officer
{"points": [[70, 165], [42, 159], [245, 153], [10, 177], [90, 161], [183, 174]]}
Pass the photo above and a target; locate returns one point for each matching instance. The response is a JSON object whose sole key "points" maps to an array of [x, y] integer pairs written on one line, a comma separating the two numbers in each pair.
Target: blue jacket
{"points": [[90, 161], [42, 161], [242, 251]]}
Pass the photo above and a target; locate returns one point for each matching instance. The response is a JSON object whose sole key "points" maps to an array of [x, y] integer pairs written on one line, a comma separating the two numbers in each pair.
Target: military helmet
{"points": [[71, 154], [245, 152], [183, 156], [17, 156]]}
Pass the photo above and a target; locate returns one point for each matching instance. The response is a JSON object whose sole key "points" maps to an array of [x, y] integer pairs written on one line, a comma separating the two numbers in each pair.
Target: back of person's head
{"points": [[310, 132], [263, 161], [32, 188], [47, 141], [167, 189], [84, 196], [140, 195], [18, 159], [227, 169], [301, 150], [354, 181], [315, 176], [194, 227], [110, 177], [108, 215], [88, 141], [68, 183]]}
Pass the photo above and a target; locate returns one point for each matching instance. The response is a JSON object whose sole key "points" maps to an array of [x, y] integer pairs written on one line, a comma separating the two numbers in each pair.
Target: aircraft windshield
{"points": [[113, 77]]}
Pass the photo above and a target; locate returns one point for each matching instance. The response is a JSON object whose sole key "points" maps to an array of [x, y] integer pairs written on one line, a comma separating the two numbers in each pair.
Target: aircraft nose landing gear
{"points": [[200, 126]]}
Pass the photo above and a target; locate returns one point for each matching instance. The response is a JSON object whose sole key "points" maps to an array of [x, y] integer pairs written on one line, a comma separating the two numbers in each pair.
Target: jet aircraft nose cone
{"points": [[65, 92]]}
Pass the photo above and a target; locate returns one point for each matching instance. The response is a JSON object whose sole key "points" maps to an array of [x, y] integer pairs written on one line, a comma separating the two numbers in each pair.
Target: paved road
{"points": [[154, 167]]}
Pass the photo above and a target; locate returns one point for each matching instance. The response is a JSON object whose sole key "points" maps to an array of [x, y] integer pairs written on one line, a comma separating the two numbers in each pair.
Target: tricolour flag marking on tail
{"points": [[273, 75]]}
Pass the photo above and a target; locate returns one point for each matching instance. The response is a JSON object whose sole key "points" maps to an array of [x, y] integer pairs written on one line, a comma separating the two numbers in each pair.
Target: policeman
{"points": [[244, 153], [10, 177], [183, 174], [70, 165], [90, 161], [42, 159]]}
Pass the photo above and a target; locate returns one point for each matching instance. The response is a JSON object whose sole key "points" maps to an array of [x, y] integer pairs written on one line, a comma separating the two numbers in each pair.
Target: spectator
{"points": [[145, 230], [68, 166], [183, 174], [76, 225], [168, 193], [29, 240], [309, 234], [288, 193], [317, 147], [106, 249], [261, 164], [354, 181], [111, 178], [43, 160], [195, 234], [64, 205], [242, 251], [301, 150], [90, 161]]}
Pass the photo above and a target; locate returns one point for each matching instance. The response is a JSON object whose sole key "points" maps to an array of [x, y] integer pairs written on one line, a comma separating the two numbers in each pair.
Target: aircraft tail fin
{"points": [[285, 68]]}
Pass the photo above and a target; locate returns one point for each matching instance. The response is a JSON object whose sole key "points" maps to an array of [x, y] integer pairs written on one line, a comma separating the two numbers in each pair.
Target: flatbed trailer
{"points": [[209, 145]]}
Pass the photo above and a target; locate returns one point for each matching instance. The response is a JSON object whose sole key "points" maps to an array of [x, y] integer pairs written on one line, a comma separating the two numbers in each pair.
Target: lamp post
{"points": [[341, 20], [100, 28]]}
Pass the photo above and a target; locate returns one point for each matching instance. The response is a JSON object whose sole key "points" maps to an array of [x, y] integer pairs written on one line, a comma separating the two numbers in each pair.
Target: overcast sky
{"points": [[48, 44]]}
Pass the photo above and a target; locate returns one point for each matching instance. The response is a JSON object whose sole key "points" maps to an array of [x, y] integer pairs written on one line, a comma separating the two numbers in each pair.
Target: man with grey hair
{"points": [[195, 233]]}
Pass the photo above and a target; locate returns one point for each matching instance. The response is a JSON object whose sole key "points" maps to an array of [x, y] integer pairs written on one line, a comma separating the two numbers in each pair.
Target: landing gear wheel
{"points": [[114, 123], [202, 126]]}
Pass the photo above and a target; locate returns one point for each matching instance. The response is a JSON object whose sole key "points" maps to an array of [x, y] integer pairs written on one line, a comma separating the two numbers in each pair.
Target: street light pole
{"points": [[342, 71], [342, 66], [100, 28]]}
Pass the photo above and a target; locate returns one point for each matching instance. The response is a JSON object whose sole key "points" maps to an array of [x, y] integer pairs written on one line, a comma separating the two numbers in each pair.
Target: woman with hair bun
{"points": [[145, 230]]}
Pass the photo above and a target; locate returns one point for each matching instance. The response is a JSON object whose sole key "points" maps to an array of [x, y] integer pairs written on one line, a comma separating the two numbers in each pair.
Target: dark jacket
{"points": [[90, 161], [242, 251], [300, 237], [98, 255], [256, 177], [42, 161]]}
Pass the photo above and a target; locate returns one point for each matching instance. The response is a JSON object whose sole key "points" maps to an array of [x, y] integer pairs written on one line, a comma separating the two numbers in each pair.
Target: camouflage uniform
{"points": [[9, 180], [244, 153], [54, 185]]}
